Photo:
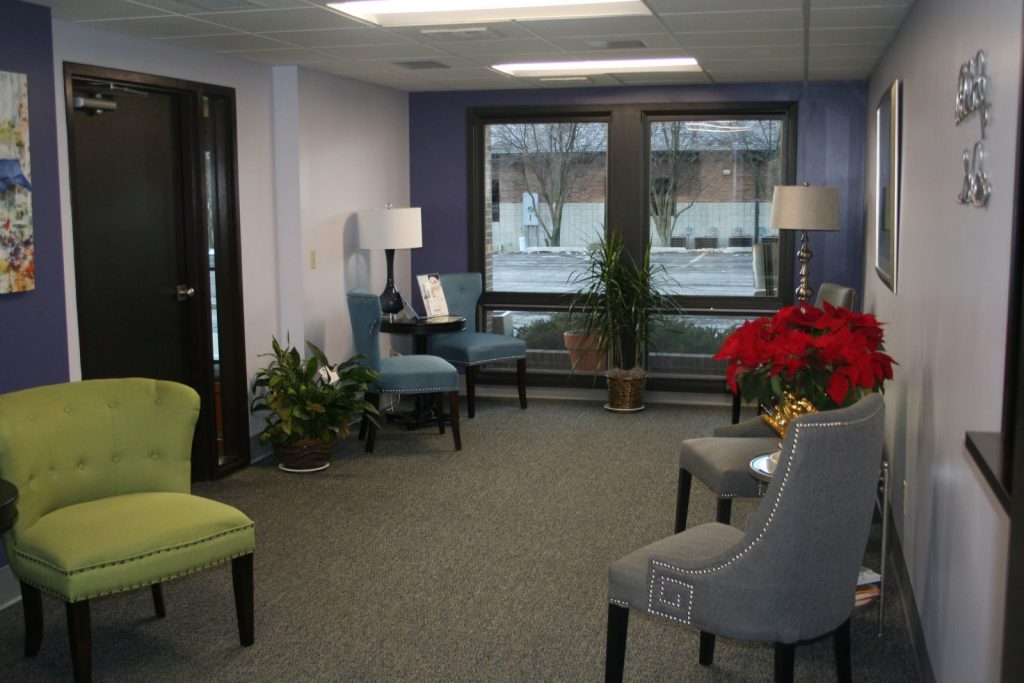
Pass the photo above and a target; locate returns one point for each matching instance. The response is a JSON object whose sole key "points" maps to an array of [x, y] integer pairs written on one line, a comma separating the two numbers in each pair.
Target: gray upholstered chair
{"points": [[402, 375], [469, 348], [722, 463], [791, 576]]}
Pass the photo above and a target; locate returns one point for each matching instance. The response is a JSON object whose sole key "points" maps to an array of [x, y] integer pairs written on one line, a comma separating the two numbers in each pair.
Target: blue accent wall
{"points": [[33, 328], [831, 120]]}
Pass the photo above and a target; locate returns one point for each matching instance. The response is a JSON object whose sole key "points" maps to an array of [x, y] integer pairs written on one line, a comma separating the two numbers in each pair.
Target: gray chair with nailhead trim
{"points": [[791, 576], [723, 466]]}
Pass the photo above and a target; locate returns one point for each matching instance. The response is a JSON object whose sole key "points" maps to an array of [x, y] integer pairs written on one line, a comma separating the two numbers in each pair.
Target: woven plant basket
{"points": [[625, 394], [310, 455]]}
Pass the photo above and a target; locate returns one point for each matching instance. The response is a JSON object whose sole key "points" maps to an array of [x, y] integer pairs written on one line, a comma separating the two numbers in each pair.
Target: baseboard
{"points": [[10, 589], [899, 564]]}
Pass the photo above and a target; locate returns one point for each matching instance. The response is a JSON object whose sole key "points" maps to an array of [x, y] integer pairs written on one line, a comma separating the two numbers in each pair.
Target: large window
{"points": [[696, 185]]}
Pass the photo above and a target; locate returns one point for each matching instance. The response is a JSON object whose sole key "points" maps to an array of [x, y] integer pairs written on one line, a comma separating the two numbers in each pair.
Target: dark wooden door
{"points": [[130, 241], [156, 239]]}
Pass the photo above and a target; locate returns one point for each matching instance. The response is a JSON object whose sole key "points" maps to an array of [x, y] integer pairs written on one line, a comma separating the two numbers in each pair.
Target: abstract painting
{"points": [[17, 250]]}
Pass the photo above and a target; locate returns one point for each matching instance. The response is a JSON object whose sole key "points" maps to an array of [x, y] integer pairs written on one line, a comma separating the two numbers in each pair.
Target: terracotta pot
{"points": [[582, 352], [309, 455]]}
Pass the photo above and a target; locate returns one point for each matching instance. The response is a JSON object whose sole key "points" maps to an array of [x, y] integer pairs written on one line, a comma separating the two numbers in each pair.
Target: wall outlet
{"points": [[312, 259]]}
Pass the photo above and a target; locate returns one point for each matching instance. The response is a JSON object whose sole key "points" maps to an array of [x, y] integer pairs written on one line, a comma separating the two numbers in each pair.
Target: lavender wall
{"points": [[830, 151], [33, 335]]}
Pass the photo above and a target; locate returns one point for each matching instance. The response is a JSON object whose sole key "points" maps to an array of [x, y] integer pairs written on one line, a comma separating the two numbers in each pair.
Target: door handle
{"points": [[185, 292]]}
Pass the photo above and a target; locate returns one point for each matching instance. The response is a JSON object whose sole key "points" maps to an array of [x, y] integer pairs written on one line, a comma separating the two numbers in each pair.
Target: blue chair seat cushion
{"points": [[476, 348], [113, 544], [415, 375]]}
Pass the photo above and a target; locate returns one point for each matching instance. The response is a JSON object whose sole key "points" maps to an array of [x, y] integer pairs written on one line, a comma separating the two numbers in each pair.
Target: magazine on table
{"points": [[434, 302]]}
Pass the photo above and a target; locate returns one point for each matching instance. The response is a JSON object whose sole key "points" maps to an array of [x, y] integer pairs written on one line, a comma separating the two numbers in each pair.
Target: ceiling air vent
{"points": [[616, 44], [421, 64], [462, 34]]}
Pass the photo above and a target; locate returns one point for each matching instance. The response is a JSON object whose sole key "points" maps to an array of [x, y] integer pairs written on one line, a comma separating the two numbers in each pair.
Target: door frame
{"points": [[206, 463]]}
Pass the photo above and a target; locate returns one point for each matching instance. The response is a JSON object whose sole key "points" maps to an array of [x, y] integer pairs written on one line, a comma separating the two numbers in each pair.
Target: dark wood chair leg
{"points": [[707, 648], [683, 499], [471, 391], [784, 658], [521, 381], [615, 649], [365, 422], [80, 636], [158, 600], [32, 606], [242, 579], [439, 411], [735, 408], [724, 511], [455, 421], [841, 640], [371, 428]]}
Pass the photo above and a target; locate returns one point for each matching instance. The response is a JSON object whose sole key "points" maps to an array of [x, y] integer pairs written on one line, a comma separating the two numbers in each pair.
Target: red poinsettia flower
{"points": [[829, 355]]}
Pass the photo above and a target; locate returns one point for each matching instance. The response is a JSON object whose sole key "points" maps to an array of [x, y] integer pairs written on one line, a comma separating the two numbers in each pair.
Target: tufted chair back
{"points": [[70, 443], [365, 314], [462, 291], [837, 295]]}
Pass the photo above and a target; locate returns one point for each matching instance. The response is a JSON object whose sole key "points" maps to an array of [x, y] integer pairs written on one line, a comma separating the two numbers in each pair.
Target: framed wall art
{"points": [[17, 249], [888, 134]]}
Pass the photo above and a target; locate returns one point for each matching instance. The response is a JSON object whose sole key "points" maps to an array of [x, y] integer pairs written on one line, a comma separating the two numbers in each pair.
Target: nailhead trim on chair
{"points": [[29, 558], [661, 581], [656, 564], [485, 362], [427, 390]]}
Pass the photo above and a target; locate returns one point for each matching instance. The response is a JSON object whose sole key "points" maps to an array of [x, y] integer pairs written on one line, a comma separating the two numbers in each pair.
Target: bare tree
{"points": [[551, 159], [675, 171], [758, 148]]}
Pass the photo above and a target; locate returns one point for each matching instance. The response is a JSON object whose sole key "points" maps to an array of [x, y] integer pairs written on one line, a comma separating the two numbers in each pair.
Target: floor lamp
{"points": [[805, 208], [390, 229]]}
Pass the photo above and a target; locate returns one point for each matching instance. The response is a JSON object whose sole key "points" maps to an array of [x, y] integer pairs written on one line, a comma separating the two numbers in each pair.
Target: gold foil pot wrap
{"points": [[791, 406]]}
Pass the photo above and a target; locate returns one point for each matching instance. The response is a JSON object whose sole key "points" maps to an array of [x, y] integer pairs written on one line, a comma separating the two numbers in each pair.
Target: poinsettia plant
{"points": [[830, 356]]}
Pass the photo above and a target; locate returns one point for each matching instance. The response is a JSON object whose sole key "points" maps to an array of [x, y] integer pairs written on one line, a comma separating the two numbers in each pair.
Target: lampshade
{"points": [[390, 228], [802, 207]]}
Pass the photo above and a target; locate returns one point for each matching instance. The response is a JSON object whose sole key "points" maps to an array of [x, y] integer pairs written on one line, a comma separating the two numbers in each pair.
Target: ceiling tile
{"points": [[819, 4], [780, 76], [341, 67], [664, 79], [854, 17], [507, 29], [75, 10], [652, 40], [760, 20], [200, 6], [603, 26], [842, 36], [740, 38], [844, 52], [524, 46], [337, 37], [226, 43], [755, 66], [630, 54], [158, 27], [490, 84], [402, 51], [670, 6], [283, 57], [717, 54], [264, 21], [831, 74]]}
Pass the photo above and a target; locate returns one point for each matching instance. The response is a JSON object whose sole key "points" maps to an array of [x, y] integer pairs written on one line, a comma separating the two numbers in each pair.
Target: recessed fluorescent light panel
{"points": [[435, 12], [599, 66]]}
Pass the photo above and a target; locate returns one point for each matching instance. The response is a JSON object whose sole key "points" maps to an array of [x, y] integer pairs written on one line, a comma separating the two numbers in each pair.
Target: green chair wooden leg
{"points": [[158, 600], [242, 578], [32, 605], [80, 638]]}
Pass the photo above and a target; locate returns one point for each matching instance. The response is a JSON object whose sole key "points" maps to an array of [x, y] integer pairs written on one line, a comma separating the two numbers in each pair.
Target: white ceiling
{"points": [[733, 40]]}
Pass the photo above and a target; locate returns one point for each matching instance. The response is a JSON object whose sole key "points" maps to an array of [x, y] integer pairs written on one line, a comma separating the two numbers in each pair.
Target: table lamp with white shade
{"points": [[390, 229], [803, 207]]}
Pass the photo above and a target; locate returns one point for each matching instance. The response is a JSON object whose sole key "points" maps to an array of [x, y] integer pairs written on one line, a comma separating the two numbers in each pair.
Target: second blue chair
{"points": [[403, 375], [469, 348]]}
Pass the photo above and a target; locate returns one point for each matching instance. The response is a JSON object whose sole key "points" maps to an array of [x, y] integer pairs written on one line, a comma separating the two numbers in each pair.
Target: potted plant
{"points": [[618, 302], [806, 358], [310, 404]]}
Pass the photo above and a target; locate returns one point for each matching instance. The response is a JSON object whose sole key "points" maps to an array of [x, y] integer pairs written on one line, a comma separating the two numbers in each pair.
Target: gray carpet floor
{"points": [[419, 563]]}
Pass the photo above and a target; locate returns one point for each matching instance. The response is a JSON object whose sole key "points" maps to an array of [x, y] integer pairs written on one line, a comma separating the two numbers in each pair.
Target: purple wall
{"points": [[830, 151], [33, 329]]}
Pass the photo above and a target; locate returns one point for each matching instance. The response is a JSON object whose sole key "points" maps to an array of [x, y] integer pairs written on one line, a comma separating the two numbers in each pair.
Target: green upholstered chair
{"points": [[103, 473], [471, 349], [400, 375]]}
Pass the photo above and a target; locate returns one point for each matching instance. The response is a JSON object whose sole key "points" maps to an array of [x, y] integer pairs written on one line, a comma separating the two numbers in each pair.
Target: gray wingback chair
{"points": [[791, 576], [722, 463]]}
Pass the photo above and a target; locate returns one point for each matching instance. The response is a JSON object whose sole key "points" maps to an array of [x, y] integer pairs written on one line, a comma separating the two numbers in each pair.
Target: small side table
{"points": [[8, 509]]}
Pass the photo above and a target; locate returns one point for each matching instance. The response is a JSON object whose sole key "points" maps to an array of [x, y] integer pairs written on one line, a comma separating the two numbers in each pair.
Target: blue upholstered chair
{"points": [[790, 576], [402, 375], [471, 349]]}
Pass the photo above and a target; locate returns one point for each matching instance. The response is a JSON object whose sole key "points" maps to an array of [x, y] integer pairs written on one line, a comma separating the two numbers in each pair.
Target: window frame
{"points": [[627, 205]]}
